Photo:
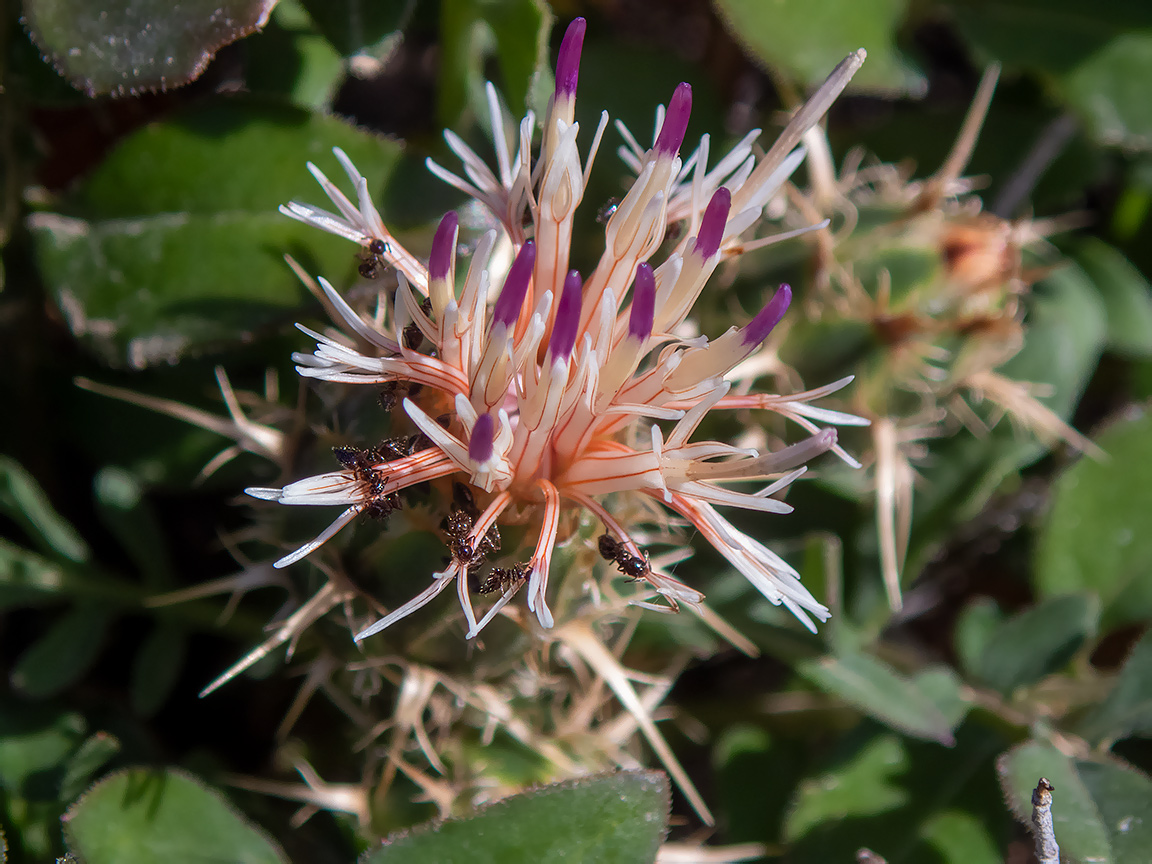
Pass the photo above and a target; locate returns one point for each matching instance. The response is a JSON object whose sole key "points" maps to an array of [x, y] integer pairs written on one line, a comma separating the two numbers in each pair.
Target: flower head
{"points": [[541, 388]]}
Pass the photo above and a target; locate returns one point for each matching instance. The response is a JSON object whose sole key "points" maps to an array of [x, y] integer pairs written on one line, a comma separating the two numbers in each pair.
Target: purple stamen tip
{"points": [[767, 318], [675, 121], [483, 434], [511, 298], [443, 247], [713, 222], [568, 60], [643, 303], [567, 317]]}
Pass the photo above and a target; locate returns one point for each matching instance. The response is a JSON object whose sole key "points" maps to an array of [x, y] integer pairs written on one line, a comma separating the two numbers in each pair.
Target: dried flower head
{"points": [[541, 389]]}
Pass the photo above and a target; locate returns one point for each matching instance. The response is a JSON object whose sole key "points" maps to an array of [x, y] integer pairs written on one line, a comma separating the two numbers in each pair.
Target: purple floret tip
{"points": [[768, 317], [568, 60], [443, 247], [712, 223], [511, 298], [643, 303], [480, 443], [675, 121], [567, 317]]}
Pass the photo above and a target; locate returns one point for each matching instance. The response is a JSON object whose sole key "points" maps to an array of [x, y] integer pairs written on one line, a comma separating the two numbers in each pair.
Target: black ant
{"points": [[413, 336], [393, 392], [362, 464], [458, 527], [503, 578], [371, 262], [630, 565]]}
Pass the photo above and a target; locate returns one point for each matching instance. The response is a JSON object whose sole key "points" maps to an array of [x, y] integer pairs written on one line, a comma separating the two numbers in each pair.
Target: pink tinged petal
{"points": [[567, 318], [443, 247], [767, 318], [712, 223], [643, 303], [675, 121], [511, 299], [482, 438], [568, 60]]}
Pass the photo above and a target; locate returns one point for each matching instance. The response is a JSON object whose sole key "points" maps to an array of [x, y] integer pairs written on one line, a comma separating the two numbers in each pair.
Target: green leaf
{"points": [[1050, 35], [807, 38], [176, 244], [34, 744], [1095, 537], [127, 46], [125, 512], [611, 819], [142, 816], [91, 756], [865, 785], [1108, 91], [974, 628], [25, 576], [514, 31], [1128, 707], [290, 61], [157, 667], [1099, 809], [960, 838], [1127, 297], [1123, 797], [23, 501], [1075, 818], [61, 656], [1037, 642], [359, 26], [878, 690]]}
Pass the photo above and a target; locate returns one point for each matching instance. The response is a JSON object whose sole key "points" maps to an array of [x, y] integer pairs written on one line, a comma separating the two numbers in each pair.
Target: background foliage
{"points": [[142, 247]]}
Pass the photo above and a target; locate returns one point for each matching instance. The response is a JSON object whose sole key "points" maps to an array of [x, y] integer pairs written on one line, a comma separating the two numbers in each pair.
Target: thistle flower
{"points": [[548, 385]]}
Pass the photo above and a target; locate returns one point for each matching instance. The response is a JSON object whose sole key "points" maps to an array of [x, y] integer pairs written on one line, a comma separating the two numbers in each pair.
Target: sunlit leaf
{"points": [[177, 245], [1095, 537], [807, 38], [131, 45], [612, 819], [141, 816], [1127, 297]]}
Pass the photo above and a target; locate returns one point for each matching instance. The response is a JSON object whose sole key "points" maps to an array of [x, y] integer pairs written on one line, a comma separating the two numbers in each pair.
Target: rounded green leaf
{"points": [[1126, 294], [1095, 537], [1109, 90], [22, 500], [1075, 818], [807, 38], [175, 243], [125, 46], [611, 819], [142, 816]]}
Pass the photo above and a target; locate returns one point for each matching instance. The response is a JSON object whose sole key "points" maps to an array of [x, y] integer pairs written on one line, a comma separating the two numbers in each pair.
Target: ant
{"points": [[394, 391], [503, 578], [630, 565], [413, 336], [362, 464], [458, 527], [371, 262]]}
